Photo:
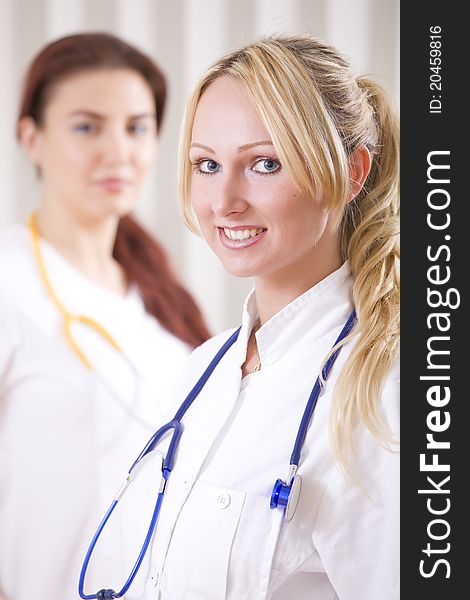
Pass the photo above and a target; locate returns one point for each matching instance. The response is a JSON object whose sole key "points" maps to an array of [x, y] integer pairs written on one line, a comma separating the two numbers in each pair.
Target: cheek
{"points": [[301, 218], [74, 154], [67, 167], [202, 216], [315, 226], [198, 199], [146, 155]]}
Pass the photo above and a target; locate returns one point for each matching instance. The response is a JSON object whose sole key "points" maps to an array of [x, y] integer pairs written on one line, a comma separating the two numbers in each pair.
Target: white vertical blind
{"points": [[63, 17], [7, 201], [184, 37]]}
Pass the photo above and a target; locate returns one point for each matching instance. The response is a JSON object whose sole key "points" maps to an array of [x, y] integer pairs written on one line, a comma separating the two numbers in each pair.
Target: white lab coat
{"points": [[217, 537], [66, 438]]}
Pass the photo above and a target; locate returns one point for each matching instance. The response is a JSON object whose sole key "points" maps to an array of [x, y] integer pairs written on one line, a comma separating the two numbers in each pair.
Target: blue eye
{"points": [[266, 166], [207, 166], [85, 128], [138, 128]]}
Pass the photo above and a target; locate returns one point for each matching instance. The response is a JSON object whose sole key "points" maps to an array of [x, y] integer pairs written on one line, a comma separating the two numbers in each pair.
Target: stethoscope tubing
{"points": [[68, 318], [138, 562], [177, 427], [315, 393], [175, 423]]}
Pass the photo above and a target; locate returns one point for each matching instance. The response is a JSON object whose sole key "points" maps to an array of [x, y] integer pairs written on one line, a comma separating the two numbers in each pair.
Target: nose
{"points": [[230, 197], [116, 145]]}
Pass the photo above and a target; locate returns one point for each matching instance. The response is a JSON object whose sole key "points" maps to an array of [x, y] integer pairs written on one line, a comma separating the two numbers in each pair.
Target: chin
{"points": [[242, 271], [118, 207]]}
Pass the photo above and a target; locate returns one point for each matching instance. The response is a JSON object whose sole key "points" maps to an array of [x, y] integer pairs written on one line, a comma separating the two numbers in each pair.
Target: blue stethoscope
{"points": [[285, 494]]}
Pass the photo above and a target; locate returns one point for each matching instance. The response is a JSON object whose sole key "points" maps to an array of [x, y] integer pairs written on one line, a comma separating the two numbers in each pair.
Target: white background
{"points": [[184, 37]]}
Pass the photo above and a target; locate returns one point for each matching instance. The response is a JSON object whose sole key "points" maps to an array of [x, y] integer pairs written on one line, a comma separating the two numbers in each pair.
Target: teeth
{"points": [[241, 234]]}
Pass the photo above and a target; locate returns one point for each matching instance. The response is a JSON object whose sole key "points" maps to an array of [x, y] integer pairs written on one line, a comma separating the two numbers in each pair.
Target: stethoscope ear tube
{"points": [[84, 568], [166, 469], [109, 593], [316, 390]]}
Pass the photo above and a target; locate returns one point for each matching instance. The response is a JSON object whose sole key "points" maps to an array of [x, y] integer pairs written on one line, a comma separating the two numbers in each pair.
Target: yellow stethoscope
{"points": [[68, 318]]}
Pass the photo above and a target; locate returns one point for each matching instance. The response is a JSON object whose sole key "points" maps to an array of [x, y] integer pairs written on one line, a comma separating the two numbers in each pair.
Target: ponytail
{"points": [[370, 241], [146, 265]]}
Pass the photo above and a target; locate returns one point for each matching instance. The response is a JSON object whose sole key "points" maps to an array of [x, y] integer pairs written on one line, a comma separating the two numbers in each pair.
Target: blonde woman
{"points": [[289, 169]]}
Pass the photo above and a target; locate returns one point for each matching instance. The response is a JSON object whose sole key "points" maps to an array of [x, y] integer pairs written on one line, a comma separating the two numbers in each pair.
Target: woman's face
{"points": [[249, 210], [96, 143]]}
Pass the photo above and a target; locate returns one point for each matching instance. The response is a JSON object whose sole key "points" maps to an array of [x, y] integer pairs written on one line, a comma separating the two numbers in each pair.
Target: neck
{"points": [[275, 292], [88, 246]]}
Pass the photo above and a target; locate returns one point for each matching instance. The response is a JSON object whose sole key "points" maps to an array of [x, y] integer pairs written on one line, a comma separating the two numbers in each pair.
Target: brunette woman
{"points": [[94, 323]]}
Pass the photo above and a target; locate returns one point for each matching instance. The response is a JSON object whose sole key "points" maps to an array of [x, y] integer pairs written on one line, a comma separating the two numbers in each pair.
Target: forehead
{"points": [[102, 90], [225, 114]]}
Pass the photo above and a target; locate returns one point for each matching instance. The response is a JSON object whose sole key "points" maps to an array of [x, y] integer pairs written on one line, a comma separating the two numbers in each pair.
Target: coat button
{"points": [[223, 500]]}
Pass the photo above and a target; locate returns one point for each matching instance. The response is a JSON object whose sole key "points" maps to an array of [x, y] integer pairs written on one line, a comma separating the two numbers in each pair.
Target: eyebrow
{"points": [[99, 117], [240, 148]]}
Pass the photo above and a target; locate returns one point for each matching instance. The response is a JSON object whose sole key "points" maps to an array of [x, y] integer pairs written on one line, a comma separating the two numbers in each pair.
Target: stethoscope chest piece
{"points": [[286, 495]]}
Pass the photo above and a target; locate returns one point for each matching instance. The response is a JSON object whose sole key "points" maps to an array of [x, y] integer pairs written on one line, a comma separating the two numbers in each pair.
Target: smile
{"points": [[240, 237], [241, 234]]}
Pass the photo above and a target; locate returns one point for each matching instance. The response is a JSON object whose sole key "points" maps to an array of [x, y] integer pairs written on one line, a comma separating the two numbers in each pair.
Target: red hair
{"points": [[142, 258]]}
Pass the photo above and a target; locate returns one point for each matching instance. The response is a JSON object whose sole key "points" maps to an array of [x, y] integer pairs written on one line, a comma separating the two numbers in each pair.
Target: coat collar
{"points": [[314, 314]]}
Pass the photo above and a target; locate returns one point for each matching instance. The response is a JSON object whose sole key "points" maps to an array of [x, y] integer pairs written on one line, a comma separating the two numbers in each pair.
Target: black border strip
{"points": [[438, 198]]}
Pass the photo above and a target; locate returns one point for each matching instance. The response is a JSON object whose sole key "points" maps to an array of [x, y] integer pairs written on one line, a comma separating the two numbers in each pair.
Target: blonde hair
{"points": [[317, 114]]}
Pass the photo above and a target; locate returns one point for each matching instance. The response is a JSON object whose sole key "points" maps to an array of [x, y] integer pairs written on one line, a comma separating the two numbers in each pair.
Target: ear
{"points": [[30, 137], [360, 162]]}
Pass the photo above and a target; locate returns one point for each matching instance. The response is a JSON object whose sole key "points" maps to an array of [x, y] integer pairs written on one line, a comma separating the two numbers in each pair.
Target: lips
{"points": [[113, 184], [241, 237]]}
